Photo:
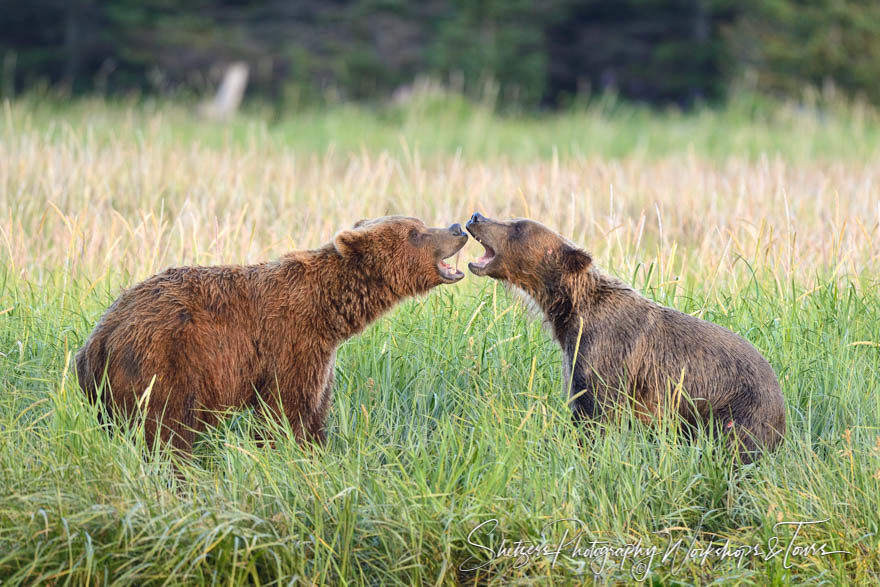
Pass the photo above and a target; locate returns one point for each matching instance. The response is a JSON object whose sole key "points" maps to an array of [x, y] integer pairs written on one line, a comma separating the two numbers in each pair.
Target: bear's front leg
{"points": [[302, 398], [316, 425], [583, 392]]}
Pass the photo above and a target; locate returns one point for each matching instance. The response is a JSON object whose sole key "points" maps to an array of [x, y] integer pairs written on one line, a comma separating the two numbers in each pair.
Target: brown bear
{"points": [[207, 339], [619, 347]]}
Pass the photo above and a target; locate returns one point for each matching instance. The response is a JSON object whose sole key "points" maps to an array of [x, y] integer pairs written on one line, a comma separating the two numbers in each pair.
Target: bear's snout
{"points": [[475, 218]]}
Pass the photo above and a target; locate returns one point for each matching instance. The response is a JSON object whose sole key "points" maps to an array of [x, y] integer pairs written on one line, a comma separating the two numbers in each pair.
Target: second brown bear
{"points": [[207, 339], [619, 347]]}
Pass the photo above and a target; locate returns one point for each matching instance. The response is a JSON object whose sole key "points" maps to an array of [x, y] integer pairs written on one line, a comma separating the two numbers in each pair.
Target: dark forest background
{"points": [[541, 53]]}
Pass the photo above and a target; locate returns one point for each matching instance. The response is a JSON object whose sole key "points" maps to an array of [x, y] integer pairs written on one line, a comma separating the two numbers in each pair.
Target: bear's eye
{"points": [[517, 229]]}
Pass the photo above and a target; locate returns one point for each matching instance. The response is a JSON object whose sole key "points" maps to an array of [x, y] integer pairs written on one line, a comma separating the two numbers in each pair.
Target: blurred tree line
{"points": [[538, 52]]}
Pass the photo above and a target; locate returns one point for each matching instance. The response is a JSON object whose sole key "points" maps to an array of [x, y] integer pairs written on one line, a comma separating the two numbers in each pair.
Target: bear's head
{"points": [[524, 253], [402, 252]]}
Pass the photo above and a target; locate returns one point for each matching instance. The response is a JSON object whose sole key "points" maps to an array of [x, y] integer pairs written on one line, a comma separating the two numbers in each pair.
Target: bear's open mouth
{"points": [[447, 272], [488, 256]]}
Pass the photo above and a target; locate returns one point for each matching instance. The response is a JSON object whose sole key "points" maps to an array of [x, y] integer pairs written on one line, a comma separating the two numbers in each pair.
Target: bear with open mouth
{"points": [[208, 339], [618, 346]]}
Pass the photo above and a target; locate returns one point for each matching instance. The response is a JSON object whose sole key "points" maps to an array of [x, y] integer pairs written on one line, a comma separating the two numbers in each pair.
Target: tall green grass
{"points": [[448, 413]]}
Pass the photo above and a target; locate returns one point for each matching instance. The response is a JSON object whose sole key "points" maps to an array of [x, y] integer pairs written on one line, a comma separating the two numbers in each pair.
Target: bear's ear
{"points": [[350, 241], [573, 259], [360, 222]]}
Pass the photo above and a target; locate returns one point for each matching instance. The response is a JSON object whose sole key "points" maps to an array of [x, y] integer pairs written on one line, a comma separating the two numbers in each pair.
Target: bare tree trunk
{"points": [[229, 95]]}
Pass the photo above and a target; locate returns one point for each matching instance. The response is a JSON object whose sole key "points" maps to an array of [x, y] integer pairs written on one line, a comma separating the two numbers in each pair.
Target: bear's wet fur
{"points": [[209, 339], [628, 350]]}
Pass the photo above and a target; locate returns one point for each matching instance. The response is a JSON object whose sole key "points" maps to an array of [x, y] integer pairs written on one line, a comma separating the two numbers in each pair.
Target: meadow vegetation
{"points": [[764, 218]]}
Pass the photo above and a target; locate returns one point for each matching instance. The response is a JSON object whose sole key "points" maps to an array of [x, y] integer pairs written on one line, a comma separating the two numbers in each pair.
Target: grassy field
{"points": [[449, 412]]}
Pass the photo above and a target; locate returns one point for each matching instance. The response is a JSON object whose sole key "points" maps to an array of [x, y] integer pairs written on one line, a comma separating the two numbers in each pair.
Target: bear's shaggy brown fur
{"points": [[630, 349], [216, 338]]}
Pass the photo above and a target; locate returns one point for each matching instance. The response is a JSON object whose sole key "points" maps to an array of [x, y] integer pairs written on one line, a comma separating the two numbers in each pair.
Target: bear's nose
{"points": [[477, 217], [456, 230]]}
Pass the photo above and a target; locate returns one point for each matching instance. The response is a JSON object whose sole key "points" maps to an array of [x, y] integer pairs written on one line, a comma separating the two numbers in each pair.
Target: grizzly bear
{"points": [[207, 339], [619, 348]]}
